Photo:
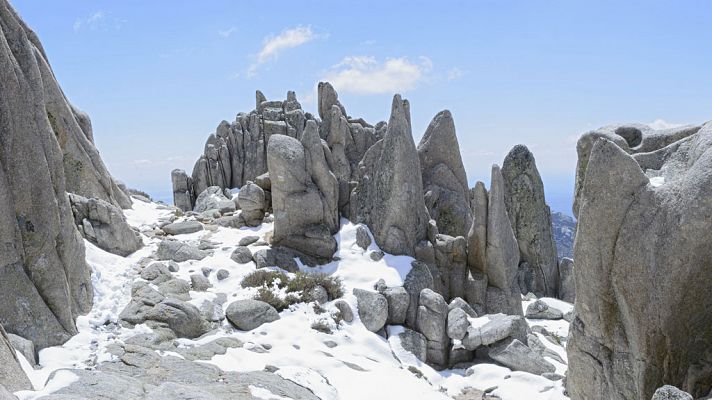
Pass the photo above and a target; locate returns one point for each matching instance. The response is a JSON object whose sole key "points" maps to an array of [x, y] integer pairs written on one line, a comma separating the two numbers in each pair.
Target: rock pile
{"points": [[643, 200]]}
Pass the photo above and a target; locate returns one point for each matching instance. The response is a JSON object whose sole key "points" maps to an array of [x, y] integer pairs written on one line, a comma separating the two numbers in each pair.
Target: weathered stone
{"points": [[199, 283], [250, 314], [372, 309], [252, 203], [181, 317], [418, 278], [451, 259], [389, 195], [458, 302], [536, 344], [210, 199], [541, 310], [183, 227], [345, 310], [398, 302], [668, 392], [567, 284], [518, 357], [25, 347], [156, 273], [248, 240], [241, 255], [12, 376], [432, 322], [276, 257], [477, 235], [414, 342], [179, 251], [496, 328], [182, 190], [457, 324], [222, 274], [363, 239], [444, 177], [531, 220]]}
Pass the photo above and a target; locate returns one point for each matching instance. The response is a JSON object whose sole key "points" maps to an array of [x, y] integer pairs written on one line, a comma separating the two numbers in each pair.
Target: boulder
{"points": [[183, 227], [199, 282], [414, 342], [248, 240], [518, 357], [241, 255], [252, 203], [345, 310], [25, 347], [536, 344], [389, 195], [182, 190], [181, 317], [210, 198], [398, 302], [642, 247], [303, 216], [179, 251], [477, 235], [418, 278], [12, 377], [222, 274], [567, 284], [458, 302], [457, 324], [432, 323], [530, 217], [247, 315], [104, 224], [668, 392], [156, 273], [490, 329], [276, 257], [444, 177], [541, 310], [363, 238], [372, 309]]}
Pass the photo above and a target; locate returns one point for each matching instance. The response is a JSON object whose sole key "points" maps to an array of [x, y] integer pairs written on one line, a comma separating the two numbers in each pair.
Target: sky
{"points": [[157, 77]]}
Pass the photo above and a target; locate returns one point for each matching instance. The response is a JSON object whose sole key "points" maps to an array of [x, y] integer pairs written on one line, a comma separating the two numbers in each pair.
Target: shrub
{"points": [[304, 282], [264, 277]]}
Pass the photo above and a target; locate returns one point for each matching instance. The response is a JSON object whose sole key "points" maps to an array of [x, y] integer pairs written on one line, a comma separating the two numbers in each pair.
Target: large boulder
{"points": [[642, 251], [418, 278], [372, 309], [490, 329], [303, 219], [389, 195], [531, 221], [183, 227], [668, 392], [46, 149], [212, 198], [12, 377], [252, 203], [432, 323], [518, 357], [104, 224], [179, 251], [444, 177], [567, 284], [250, 314], [182, 190]]}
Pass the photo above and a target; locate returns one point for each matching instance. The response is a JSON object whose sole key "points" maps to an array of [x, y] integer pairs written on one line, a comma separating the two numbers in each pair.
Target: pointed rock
{"points": [[477, 236]]}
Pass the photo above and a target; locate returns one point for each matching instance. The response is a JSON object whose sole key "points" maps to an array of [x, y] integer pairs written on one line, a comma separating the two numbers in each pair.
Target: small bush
{"points": [[304, 282], [268, 296], [264, 277]]}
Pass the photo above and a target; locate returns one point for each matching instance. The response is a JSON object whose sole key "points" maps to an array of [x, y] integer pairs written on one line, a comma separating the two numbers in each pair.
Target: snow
{"points": [[361, 365], [657, 181]]}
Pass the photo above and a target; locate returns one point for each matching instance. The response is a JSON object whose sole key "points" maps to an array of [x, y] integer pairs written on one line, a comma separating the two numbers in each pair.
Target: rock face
{"points": [[104, 224], [389, 195], [46, 150], [444, 177], [642, 251], [432, 323], [531, 221], [12, 377], [304, 213]]}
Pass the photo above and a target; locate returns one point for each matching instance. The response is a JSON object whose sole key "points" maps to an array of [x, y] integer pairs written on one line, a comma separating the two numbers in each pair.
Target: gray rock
{"points": [[376, 255], [499, 327], [345, 310], [389, 195], [184, 227], [182, 190], [303, 207], [248, 240], [640, 254], [457, 323], [531, 220], [12, 376], [432, 322], [540, 310], [25, 347], [372, 309], [477, 235], [156, 273], [363, 239], [209, 199], [534, 343], [179, 251], [264, 182], [398, 302], [5, 394], [173, 266], [444, 177], [175, 288], [418, 278], [182, 318], [199, 283], [276, 257], [252, 203], [241, 255], [222, 274], [518, 357], [451, 261], [317, 294], [567, 284], [668, 392], [414, 342], [458, 302], [104, 224], [250, 314]]}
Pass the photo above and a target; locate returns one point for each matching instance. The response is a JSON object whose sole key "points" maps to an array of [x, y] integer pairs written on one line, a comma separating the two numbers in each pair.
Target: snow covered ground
{"points": [[350, 363]]}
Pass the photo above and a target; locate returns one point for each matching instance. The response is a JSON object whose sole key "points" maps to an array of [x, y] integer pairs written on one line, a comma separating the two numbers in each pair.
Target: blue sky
{"points": [[158, 76]]}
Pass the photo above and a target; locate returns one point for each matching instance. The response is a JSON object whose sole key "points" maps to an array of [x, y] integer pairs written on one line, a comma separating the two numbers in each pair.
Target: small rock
{"points": [[540, 310], [156, 273], [199, 283], [318, 294], [223, 274], [250, 314], [377, 255], [179, 251], [241, 255], [248, 240], [363, 239], [372, 309], [173, 266], [380, 286], [345, 310], [182, 228]]}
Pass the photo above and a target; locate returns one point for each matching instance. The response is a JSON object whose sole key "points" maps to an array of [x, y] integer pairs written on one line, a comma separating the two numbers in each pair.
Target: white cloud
{"points": [[98, 20], [662, 124], [365, 74], [228, 32], [273, 46], [455, 73]]}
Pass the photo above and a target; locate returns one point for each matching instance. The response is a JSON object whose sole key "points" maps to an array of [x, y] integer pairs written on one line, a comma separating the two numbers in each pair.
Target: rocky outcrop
{"points": [[104, 225], [304, 213], [642, 255], [389, 194], [444, 177], [46, 150], [531, 222]]}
